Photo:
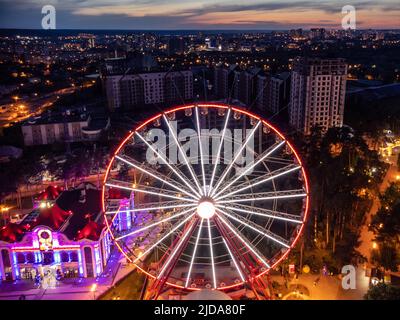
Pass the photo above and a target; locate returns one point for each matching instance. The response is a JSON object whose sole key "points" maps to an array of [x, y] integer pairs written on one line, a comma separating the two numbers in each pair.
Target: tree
{"points": [[343, 172], [383, 292], [398, 162]]}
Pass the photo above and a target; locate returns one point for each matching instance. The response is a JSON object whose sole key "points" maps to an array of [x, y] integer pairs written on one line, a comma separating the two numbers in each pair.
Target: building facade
{"points": [[128, 91], [64, 235], [273, 92], [63, 128], [318, 88], [223, 80]]}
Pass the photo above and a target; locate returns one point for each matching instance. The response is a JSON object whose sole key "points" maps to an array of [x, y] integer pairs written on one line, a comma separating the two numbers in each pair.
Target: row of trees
{"points": [[386, 226], [343, 176]]}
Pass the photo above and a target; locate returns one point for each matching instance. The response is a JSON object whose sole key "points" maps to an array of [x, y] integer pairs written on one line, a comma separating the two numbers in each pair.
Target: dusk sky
{"points": [[198, 14]]}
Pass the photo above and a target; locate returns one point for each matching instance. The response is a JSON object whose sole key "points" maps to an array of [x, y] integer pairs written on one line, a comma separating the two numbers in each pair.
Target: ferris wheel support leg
{"points": [[158, 284], [233, 246], [261, 289], [256, 284]]}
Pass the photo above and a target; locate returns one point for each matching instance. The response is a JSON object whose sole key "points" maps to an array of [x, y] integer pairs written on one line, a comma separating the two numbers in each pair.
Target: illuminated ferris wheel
{"points": [[214, 197]]}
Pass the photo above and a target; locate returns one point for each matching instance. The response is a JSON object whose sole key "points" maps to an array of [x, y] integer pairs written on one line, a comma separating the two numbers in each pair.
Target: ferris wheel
{"points": [[219, 196]]}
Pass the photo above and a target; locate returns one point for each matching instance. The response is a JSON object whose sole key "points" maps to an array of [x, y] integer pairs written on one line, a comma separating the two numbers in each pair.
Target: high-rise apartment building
{"points": [[128, 91], [223, 80], [273, 92], [318, 88]]}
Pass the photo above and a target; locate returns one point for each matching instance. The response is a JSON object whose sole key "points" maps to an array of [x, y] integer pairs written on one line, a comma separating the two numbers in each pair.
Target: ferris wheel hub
{"points": [[206, 209]]}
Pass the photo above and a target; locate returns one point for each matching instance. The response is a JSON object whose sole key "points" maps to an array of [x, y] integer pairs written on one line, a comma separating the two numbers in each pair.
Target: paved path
{"points": [[367, 236]]}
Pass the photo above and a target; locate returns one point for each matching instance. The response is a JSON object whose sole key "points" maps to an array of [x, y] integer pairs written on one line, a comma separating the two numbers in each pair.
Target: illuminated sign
{"points": [[45, 240]]}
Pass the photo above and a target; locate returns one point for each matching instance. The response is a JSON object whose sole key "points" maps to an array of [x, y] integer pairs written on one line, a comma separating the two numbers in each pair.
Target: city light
{"points": [[169, 164]]}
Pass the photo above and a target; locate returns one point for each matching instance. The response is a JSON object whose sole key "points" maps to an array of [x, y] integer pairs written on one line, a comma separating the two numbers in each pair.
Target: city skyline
{"points": [[204, 14]]}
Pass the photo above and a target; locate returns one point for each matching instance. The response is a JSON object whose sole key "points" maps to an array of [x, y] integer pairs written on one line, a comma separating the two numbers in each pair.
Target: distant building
{"points": [[127, 91], [176, 45], [66, 127], [318, 88], [245, 87], [279, 92], [223, 80], [296, 33], [252, 86], [317, 33], [273, 92]]}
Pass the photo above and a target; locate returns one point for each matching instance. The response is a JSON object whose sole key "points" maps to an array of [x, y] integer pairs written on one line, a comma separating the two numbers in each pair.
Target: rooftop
{"points": [[75, 212]]}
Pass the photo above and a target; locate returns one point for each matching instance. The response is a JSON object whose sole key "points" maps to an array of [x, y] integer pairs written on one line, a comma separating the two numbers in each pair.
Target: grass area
{"points": [[128, 288]]}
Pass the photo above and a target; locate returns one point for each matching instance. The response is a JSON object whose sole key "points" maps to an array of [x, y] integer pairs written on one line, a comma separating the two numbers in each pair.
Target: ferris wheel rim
{"points": [[298, 232]]}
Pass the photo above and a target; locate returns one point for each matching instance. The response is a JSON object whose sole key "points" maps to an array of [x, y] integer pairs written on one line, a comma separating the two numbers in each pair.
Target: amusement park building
{"points": [[65, 233]]}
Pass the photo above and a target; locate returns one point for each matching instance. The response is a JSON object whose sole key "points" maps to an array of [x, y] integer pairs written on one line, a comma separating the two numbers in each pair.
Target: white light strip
{"points": [[172, 255], [255, 229], [153, 208], [156, 177], [194, 253], [212, 254], [169, 165], [201, 150], [219, 150], [234, 261], [257, 183], [249, 168], [155, 224], [183, 154], [149, 192], [235, 158], [260, 214], [243, 241], [264, 198], [163, 238]]}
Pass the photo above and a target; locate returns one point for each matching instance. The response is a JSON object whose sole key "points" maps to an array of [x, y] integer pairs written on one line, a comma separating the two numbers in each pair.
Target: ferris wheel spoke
{"points": [[188, 165], [211, 254], [263, 212], [169, 233], [153, 191], [201, 150], [262, 157], [255, 227], [262, 179], [194, 253], [157, 176], [226, 171], [154, 206], [155, 224], [260, 196], [221, 143], [173, 168], [230, 253], [247, 244], [181, 242]]}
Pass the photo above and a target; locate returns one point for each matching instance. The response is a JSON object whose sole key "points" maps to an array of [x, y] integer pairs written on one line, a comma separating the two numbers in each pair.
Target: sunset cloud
{"points": [[204, 14]]}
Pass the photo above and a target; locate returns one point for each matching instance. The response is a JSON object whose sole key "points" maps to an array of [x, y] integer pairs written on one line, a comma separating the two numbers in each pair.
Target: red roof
{"points": [[52, 217], [68, 205], [50, 193], [12, 232], [91, 231]]}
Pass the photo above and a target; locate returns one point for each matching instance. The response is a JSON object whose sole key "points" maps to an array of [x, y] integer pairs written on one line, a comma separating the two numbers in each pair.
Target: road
{"points": [[23, 109], [366, 236]]}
